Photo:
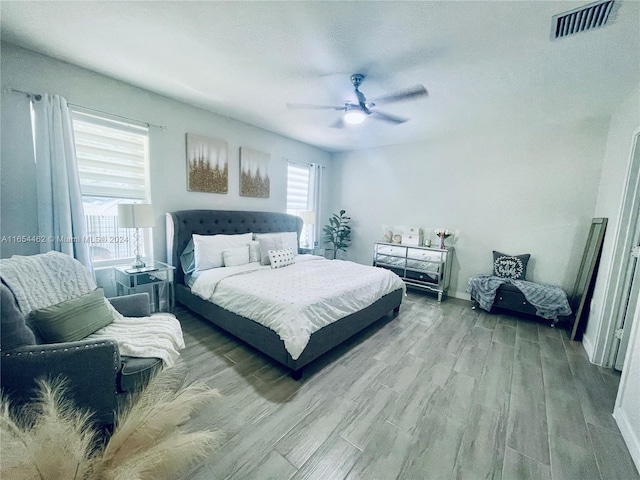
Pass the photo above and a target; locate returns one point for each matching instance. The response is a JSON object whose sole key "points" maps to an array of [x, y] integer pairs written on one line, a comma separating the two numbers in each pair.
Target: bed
{"points": [[182, 225]]}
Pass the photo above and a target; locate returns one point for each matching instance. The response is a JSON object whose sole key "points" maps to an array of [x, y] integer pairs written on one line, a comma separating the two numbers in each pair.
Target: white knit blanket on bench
{"points": [[40, 281]]}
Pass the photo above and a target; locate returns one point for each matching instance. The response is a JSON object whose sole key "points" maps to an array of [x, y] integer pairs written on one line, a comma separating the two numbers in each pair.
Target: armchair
{"points": [[98, 377]]}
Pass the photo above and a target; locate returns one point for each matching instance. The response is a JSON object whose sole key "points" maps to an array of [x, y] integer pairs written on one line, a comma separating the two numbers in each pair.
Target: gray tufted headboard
{"points": [[181, 225]]}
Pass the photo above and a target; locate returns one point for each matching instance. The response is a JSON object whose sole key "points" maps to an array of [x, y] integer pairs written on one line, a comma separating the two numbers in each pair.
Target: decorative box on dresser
{"points": [[426, 268]]}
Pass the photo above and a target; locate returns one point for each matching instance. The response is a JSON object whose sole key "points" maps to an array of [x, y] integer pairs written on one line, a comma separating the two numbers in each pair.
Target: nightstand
{"points": [[157, 276]]}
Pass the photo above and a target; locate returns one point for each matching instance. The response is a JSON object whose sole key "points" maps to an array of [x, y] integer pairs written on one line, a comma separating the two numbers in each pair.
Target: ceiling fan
{"points": [[357, 112]]}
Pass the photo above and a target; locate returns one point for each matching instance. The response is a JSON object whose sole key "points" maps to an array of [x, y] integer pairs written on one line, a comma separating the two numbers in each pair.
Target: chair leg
{"points": [[296, 374]]}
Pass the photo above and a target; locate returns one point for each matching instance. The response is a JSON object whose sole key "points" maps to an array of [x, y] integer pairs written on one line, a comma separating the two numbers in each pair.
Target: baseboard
{"points": [[588, 347], [630, 437]]}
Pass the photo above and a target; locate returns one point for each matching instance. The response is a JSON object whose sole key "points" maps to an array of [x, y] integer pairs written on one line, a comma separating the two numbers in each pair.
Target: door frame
{"points": [[626, 319], [613, 302]]}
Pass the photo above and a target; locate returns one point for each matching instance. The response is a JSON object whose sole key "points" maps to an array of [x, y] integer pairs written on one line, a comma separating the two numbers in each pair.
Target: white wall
{"points": [[510, 188], [615, 171], [29, 71]]}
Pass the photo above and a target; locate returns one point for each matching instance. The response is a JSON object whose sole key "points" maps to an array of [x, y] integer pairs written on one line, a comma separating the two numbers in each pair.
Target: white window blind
{"points": [[111, 157], [113, 168], [297, 188]]}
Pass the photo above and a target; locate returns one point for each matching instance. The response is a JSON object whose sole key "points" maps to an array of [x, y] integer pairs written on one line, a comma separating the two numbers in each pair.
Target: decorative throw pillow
{"points": [[276, 241], [281, 258], [73, 319], [208, 248], [14, 331], [507, 266], [236, 256], [254, 251], [268, 242]]}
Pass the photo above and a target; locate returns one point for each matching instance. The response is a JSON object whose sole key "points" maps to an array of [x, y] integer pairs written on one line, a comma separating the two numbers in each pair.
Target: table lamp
{"points": [[136, 215], [308, 218]]}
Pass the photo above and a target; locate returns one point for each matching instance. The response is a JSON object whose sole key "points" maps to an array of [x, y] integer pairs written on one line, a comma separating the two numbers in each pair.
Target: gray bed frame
{"points": [[181, 225]]}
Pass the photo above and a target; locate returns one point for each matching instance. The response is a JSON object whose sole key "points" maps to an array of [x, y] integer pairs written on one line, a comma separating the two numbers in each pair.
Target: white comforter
{"points": [[299, 299]]}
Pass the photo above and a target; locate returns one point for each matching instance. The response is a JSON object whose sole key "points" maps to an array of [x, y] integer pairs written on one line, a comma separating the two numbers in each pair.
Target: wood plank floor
{"points": [[440, 392]]}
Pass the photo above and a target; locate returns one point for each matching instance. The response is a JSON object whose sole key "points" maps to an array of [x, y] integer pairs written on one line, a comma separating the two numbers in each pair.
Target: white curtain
{"points": [[314, 201], [61, 221]]}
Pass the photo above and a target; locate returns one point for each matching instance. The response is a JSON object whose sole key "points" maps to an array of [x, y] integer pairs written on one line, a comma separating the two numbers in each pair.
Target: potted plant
{"points": [[338, 232]]}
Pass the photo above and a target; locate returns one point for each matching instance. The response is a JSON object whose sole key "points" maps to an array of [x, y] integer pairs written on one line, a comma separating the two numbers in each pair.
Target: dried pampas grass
{"points": [[48, 439], [51, 439]]}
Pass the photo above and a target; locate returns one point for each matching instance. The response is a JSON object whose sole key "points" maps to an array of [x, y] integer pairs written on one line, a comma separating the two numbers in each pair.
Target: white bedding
{"points": [[297, 300]]}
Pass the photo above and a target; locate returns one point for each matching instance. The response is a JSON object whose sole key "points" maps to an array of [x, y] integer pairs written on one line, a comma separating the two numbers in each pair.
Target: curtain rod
{"points": [[35, 96], [38, 97]]}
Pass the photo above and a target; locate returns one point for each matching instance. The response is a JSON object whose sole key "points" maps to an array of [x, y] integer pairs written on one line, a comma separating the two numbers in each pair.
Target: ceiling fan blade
{"points": [[298, 106], [408, 94], [387, 117]]}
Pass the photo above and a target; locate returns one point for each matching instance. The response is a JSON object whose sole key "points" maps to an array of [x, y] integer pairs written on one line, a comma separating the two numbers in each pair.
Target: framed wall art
{"points": [[254, 173], [207, 164]]}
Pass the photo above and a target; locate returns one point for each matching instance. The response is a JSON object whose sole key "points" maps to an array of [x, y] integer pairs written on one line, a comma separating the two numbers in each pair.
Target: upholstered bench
{"points": [[508, 290], [509, 298]]}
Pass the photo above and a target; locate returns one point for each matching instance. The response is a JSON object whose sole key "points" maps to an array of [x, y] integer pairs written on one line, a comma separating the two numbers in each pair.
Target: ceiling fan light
{"points": [[354, 116]]}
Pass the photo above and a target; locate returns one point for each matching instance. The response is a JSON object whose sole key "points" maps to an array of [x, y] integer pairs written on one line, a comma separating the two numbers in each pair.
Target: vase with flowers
{"points": [[442, 233]]}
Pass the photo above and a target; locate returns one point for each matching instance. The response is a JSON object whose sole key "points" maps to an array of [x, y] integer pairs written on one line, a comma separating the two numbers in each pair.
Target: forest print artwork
{"points": [[254, 173], [207, 164]]}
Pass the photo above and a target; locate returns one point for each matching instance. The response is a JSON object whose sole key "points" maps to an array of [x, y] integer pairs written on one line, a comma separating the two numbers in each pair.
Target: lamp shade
{"points": [[308, 217], [135, 215]]}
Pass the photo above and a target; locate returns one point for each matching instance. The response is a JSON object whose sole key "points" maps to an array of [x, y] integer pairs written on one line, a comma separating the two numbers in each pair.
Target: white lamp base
{"points": [[138, 263]]}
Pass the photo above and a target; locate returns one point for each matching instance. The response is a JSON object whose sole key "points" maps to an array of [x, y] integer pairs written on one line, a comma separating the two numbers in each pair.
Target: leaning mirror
{"points": [[585, 281]]}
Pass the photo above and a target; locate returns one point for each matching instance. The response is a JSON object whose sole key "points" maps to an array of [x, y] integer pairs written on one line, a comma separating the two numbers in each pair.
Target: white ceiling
{"points": [[483, 62]]}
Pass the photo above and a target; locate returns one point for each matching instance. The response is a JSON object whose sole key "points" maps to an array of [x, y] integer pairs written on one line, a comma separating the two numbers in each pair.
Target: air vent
{"points": [[589, 17]]}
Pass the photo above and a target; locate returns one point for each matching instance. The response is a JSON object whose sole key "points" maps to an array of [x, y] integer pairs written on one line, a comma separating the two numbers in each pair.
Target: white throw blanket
{"points": [[40, 281]]}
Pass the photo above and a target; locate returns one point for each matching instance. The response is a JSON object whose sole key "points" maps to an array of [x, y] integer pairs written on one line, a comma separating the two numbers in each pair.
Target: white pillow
{"points": [[276, 241], [187, 258], [233, 257], [290, 240], [254, 251], [268, 242], [208, 248], [281, 258]]}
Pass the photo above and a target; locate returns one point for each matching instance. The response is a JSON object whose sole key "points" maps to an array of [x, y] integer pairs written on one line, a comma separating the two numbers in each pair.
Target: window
{"points": [[113, 168], [300, 197], [297, 188]]}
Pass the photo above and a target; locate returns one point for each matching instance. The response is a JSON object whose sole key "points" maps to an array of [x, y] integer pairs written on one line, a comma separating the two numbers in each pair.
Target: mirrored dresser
{"points": [[426, 268]]}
